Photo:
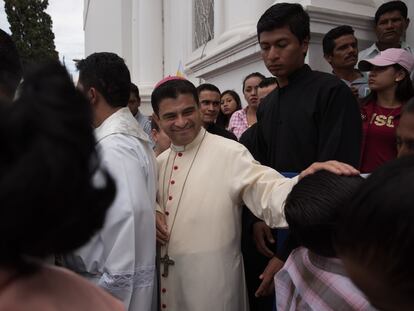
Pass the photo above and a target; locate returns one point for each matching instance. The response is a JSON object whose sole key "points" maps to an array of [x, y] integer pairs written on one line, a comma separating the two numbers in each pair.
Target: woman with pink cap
{"points": [[391, 87]]}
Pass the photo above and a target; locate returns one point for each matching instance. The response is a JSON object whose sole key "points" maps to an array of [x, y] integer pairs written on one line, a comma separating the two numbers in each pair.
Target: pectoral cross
{"points": [[166, 261]]}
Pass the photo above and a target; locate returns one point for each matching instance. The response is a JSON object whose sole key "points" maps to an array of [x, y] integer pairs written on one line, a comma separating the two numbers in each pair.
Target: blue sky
{"points": [[67, 17]]}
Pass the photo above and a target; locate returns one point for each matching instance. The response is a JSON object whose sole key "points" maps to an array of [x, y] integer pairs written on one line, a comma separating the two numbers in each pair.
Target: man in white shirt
{"points": [[391, 22], [121, 257]]}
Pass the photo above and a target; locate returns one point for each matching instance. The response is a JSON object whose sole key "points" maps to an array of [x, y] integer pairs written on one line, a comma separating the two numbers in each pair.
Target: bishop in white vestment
{"points": [[201, 188], [203, 179], [121, 257]]}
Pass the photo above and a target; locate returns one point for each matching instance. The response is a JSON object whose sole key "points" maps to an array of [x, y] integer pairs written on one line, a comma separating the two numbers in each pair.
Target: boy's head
{"points": [[283, 32], [376, 236], [313, 206]]}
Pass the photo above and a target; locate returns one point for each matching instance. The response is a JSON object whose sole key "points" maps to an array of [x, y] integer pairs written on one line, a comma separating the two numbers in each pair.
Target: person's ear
{"points": [[305, 45], [401, 74], [156, 118], [154, 135], [93, 95], [328, 58]]}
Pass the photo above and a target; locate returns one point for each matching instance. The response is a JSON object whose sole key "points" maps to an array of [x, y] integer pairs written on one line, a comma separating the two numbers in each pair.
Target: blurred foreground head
{"points": [[376, 236], [53, 195]]}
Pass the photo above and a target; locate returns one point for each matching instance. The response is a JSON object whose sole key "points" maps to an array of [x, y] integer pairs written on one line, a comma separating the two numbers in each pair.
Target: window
{"points": [[203, 22]]}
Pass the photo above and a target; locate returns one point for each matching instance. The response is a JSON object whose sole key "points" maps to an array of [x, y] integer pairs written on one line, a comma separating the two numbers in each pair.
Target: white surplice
{"points": [[204, 197], [121, 257]]}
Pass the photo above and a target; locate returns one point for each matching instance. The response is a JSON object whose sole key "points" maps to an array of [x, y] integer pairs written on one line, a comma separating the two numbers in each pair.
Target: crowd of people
{"points": [[210, 204]]}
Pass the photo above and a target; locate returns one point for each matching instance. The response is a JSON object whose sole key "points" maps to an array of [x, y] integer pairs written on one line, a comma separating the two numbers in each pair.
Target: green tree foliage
{"points": [[31, 29]]}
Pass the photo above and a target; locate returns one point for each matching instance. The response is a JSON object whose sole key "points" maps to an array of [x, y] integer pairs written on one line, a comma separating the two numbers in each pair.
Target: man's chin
{"points": [[391, 40], [278, 72]]}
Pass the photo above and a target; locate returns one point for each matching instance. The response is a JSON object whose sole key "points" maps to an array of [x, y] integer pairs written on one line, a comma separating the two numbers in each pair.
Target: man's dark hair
{"points": [[172, 89], [328, 42], [267, 82], [251, 75], [10, 66], [285, 14], [405, 89], [376, 230], [108, 74], [390, 7], [313, 206], [49, 201], [134, 90], [207, 87]]}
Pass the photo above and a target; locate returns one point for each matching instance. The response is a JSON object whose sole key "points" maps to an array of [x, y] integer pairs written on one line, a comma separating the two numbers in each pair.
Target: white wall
{"points": [[155, 36], [410, 30], [102, 26]]}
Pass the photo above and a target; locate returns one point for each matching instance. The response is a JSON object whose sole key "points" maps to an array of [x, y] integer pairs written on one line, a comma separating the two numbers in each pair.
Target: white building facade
{"points": [[211, 41]]}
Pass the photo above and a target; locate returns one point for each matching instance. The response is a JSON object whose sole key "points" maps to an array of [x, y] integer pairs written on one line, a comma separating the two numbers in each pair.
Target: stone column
{"points": [[239, 18], [146, 47]]}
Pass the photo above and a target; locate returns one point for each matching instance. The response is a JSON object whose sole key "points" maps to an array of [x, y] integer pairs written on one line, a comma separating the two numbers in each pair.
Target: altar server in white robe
{"points": [[203, 178], [121, 257]]}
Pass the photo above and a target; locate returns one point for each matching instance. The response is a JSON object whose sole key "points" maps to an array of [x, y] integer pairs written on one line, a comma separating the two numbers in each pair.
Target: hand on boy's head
{"points": [[335, 167]]}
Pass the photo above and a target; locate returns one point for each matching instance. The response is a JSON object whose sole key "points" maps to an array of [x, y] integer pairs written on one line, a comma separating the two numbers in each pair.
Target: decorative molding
{"points": [[218, 58], [334, 18], [235, 53]]}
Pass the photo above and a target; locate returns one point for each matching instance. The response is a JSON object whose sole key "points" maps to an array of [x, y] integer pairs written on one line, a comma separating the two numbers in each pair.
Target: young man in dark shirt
{"points": [[312, 116]]}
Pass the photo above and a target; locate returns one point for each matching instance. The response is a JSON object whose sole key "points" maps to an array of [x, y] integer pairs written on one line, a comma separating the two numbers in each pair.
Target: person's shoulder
{"points": [[327, 83], [368, 53], [217, 130], [237, 114], [325, 78], [267, 103], [122, 142], [53, 288], [248, 134], [225, 145], [73, 284]]}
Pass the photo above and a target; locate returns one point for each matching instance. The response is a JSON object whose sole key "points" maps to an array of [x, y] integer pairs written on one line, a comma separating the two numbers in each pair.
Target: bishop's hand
{"points": [[162, 228], [335, 167]]}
